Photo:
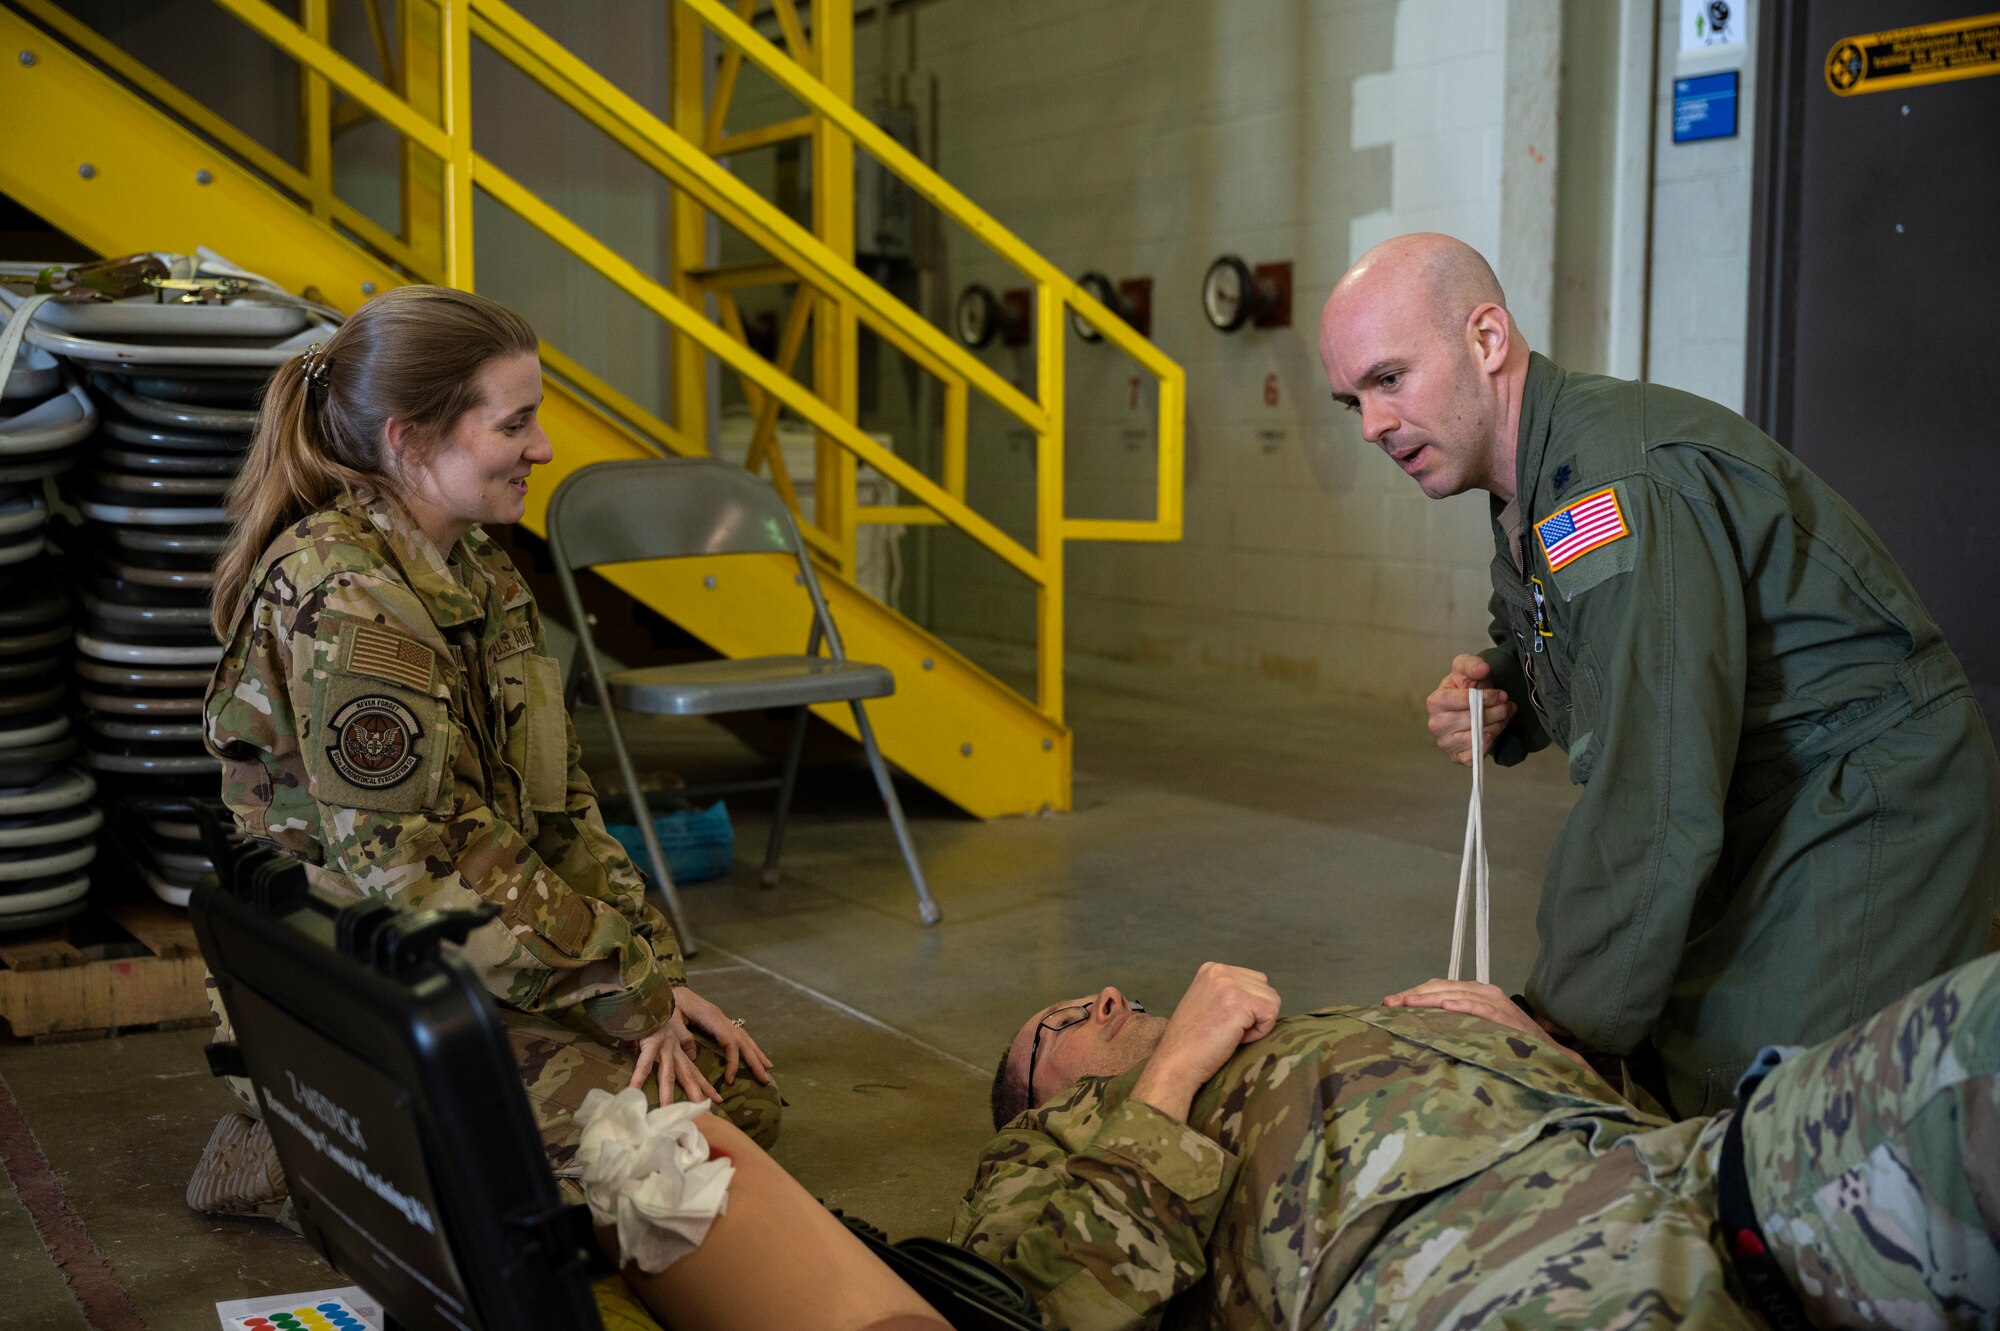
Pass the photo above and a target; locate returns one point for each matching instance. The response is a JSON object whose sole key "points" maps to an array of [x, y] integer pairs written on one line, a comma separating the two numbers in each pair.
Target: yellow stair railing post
{"points": [[836, 364], [457, 99], [688, 222], [1049, 531], [423, 88], [316, 113]]}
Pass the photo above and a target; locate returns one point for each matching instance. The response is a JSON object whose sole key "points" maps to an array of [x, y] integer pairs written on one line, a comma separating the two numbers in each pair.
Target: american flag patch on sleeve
{"points": [[392, 657], [1592, 521]]}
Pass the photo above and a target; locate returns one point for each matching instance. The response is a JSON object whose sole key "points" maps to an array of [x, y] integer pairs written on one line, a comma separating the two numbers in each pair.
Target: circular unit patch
{"points": [[374, 742]]}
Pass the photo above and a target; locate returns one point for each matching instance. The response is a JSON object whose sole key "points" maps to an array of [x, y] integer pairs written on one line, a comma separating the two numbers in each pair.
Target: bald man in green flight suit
{"points": [[1789, 794]]}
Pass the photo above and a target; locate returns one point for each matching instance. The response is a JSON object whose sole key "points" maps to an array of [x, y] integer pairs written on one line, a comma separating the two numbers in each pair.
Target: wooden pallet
{"points": [[126, 964]]}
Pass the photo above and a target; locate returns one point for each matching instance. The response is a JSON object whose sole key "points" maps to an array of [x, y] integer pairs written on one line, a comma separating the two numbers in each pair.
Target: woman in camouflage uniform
{"points": [[385, 708]]}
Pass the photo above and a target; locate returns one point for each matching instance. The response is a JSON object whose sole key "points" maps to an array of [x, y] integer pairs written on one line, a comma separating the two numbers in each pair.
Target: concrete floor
{"points": [[1215, 819]]}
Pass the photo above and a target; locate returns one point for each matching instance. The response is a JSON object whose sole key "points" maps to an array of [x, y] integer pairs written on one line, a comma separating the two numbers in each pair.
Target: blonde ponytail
{"points": [[412, 354], [284, 478]]}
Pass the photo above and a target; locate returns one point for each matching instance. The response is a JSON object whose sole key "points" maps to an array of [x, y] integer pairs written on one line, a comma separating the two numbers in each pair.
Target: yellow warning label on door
{"points": [[1904, 57]]}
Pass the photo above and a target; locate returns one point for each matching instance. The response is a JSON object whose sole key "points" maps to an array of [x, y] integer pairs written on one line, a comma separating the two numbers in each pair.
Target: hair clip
{"points": [[316, 368]]}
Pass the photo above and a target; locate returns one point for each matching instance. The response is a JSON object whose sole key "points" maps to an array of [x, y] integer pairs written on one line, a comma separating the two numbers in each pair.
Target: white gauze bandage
{"points": [[647, 1172]]}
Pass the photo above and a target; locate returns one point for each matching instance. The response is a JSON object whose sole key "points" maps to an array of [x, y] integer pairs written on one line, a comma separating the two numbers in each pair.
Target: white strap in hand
{"points": [[1473, 876]]}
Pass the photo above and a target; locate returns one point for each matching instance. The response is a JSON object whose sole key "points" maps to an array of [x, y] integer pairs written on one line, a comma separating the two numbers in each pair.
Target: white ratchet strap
{"points": [[1473, 876], [15, 329]]}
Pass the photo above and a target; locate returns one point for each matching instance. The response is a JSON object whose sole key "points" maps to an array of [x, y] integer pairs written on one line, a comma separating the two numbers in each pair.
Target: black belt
{"points": [[1765, 1288]]}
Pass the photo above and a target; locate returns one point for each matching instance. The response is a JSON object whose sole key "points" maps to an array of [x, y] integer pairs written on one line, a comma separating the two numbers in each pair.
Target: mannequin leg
{"points": [[776, 1257]]}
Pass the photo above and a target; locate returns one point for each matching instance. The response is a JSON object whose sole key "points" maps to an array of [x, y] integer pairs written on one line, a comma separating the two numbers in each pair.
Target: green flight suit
{"points": [[1412, 1168], [1789, 794], [389, 714]]}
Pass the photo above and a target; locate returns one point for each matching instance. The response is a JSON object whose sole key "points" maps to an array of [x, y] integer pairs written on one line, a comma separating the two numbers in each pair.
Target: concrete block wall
{"points": [[1145, 139], [1700, 289]]}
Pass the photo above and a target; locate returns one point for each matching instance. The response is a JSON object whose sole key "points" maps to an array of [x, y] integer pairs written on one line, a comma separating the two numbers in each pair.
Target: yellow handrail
{"points": [[795, 79], [278, 29], [629, 413], [286, 176], [817, 413], [432, 113], [640, 132]]}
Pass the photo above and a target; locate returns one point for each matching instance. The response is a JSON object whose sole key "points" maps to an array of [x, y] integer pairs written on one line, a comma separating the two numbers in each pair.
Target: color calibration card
{"points": [[327, 1315], [347, 1309]]}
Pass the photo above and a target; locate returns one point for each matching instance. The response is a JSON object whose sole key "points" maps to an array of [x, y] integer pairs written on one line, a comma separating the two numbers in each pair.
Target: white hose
{"points": [[1473, 875]]}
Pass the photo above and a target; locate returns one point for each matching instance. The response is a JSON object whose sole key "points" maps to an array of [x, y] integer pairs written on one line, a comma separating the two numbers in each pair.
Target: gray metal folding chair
{"points": [[670, 508]]}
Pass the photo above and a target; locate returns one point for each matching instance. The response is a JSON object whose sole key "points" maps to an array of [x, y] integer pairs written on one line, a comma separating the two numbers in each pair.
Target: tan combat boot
{"points": [[239, 1174]]}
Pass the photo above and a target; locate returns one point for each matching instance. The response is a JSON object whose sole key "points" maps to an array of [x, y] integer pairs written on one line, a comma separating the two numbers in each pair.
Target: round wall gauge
{"points": [[977, 318], [1100, 288], [1227, 293]]}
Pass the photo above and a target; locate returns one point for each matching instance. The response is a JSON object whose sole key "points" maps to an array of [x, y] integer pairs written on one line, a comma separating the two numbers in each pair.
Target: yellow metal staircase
{"points": [[113, 154]]}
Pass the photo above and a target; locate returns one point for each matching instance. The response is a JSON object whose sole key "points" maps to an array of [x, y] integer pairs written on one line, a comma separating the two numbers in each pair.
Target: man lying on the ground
{"points": [[1439, 1162]]}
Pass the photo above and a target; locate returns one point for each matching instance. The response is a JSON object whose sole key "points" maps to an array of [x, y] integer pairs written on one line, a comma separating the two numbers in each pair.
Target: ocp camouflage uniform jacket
{"points": [[1312, 1184], [392, 718]]}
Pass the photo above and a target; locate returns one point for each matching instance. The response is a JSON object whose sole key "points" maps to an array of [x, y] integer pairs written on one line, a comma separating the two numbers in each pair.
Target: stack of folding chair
{"points": [[169, 361]]}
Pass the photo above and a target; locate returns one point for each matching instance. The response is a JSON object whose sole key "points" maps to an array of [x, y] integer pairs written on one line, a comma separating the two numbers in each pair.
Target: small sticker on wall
{"points": [[1705, 107], [1909, 57], [1707, 24]]}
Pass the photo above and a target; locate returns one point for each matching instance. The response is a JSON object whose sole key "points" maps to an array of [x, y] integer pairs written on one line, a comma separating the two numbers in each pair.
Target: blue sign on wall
{"points": [[1705, 107]]}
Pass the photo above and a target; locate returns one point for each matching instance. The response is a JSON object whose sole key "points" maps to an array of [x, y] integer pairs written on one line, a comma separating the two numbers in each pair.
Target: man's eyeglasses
{"points": [[1061, 1019]]}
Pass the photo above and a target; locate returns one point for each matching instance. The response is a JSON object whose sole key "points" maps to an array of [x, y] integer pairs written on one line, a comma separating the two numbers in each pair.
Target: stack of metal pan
{"points": [[48, 820], [176, 388]]}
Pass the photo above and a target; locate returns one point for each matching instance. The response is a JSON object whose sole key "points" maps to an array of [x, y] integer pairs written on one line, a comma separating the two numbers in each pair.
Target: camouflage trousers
{"points": [[1874, 1167], [560, 1066], [1874, 1161]]}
